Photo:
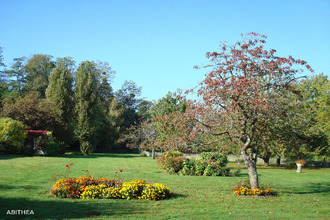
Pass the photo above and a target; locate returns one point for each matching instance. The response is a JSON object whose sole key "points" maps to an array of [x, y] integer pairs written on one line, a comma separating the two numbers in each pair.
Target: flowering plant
{"points": [[244, 188], [302, 162], [102, 188]]}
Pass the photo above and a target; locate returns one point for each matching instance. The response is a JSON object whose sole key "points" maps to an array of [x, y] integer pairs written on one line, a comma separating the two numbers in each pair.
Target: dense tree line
{"points": [[252, 102], [76, 103]]}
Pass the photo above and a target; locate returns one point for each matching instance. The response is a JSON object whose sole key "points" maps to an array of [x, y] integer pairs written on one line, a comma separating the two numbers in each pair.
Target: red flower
{"points": [[121, 171], [86, 170], [66, 165], [71, 164]]}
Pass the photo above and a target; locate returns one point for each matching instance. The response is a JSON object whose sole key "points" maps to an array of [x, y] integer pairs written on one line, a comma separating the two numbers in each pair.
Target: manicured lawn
{"points": [[25, 184]]}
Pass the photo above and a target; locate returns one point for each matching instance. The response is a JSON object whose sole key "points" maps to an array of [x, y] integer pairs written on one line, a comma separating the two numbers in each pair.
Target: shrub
{"points": [[188, 167], [219, 157], [12, 135], [52, 147], [173, 154], [28, 150], [200, 166], [171, 164]]}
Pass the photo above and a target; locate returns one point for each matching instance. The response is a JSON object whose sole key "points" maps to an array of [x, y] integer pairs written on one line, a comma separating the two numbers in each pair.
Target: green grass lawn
{"points": [[25, 184]]}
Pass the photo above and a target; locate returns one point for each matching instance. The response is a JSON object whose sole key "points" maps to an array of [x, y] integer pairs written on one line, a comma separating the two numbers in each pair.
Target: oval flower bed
{"points": [[101, 188], [262, 191]]}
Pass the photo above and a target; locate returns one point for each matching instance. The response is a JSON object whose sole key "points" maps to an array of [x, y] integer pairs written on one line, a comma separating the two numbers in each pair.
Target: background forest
{"points": [[78, 105]]}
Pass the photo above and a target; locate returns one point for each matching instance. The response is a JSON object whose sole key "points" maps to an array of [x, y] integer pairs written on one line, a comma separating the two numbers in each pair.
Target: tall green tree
{"points": [[16, 75], [86, 105], [128, 97], [3, 84], [116, 122], [315, 96], [37, 70], [60, 93]]}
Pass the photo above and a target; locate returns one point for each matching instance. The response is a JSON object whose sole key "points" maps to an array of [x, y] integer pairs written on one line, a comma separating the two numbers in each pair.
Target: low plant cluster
{"points": [[12, 135], [102, 188], [209, 164], [244, 188]]}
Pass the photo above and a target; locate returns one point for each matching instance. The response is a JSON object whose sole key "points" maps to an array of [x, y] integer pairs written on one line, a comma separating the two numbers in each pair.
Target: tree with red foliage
{"points": [[246, 86]]}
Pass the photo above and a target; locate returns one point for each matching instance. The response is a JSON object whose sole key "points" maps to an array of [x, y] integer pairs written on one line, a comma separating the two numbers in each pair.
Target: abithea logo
{"points": [[20, 212]]}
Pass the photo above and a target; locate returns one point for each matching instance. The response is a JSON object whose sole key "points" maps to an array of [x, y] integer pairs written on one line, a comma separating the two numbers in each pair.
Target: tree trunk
{"points": [[252, 170], [153, 153], [266, 156], [325, 163], [278, 160]]}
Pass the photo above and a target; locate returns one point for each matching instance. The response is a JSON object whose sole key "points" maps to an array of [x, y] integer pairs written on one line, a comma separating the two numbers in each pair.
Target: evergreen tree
{"points": [[86, 105], [59, 92], [116, 121]]}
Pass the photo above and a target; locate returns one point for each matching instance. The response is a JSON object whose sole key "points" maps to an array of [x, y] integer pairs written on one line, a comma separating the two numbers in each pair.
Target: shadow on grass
{"points": [[26, 187], [10, 156], [309, 188], [177, 195], [66, 208], [77, 155], [101, 155]]}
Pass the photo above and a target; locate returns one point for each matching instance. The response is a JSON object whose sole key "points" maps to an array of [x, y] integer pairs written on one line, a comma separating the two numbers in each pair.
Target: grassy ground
{"points": [[25, 184]]}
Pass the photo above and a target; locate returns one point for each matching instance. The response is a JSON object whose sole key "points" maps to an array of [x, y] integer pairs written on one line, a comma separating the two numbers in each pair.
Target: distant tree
{"points": [[172, 102], [16, 75], [33, 112], [143, 136], [86, 105], [143, 110], [242, 90], [3, 84], [105, 77], [37, 71], [115, 124], [128, 97], [315, 97], [59, 92], [1, 58]]}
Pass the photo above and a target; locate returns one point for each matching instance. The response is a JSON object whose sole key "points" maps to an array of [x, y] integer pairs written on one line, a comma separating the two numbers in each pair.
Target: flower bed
{"points": [[90, 188], [262, 191], [244, 188]]}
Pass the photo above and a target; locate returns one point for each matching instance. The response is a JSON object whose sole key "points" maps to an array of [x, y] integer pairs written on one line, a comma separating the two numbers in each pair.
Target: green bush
{"points": [[52, 147], [219, 157], [171, 163], [28, 150], [200, 166], [12, 135], [188, 167], [174, 154]]}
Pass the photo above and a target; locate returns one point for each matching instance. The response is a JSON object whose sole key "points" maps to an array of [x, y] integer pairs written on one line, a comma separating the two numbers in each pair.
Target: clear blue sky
{"points": [[156, 43]]}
